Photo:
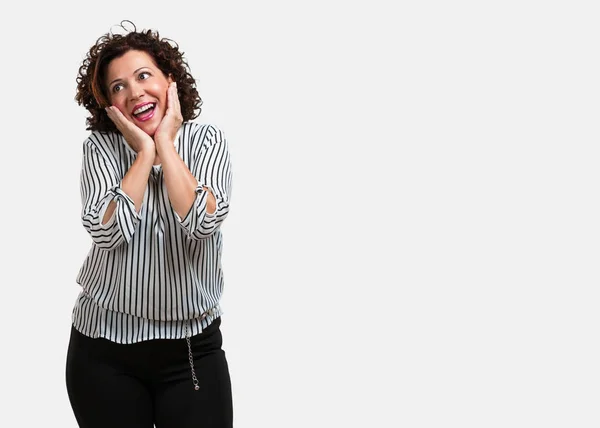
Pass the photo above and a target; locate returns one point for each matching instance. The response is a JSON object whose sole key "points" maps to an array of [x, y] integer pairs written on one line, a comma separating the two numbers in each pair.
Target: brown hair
{"points": [[91, 85]]}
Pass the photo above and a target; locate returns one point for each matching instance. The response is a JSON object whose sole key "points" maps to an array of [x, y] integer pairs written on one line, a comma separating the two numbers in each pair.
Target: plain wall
{"points": [[413, 235]]}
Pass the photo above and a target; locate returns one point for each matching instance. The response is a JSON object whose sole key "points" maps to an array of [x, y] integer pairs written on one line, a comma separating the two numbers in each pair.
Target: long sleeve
{"points": [[99, 186], [212, 169]]}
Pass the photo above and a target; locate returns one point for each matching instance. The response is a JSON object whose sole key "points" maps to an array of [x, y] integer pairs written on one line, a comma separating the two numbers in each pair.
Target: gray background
{"points": [[414, 232]]}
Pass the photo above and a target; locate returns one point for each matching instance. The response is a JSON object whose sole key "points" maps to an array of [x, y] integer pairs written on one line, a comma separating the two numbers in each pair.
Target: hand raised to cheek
{"points": [[137, 139], [172, 120]]}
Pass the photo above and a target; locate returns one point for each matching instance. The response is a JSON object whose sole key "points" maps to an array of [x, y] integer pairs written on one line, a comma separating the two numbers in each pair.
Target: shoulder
{"points": [[203, 134], [101, 141]]}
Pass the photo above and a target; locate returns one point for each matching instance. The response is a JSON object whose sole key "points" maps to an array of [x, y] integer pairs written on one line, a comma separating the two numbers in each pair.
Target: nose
{"points": [[135, 91]]}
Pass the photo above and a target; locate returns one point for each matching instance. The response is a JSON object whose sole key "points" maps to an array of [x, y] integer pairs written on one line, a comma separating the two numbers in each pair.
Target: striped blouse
{"points": [[151, 274]]}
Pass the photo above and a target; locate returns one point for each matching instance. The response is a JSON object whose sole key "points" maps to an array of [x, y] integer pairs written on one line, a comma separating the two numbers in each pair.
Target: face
{"points": [[137, 87]]}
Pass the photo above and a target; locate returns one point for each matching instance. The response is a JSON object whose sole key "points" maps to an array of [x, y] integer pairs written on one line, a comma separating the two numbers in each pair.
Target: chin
{"points": [[150, 131], [150, 126]]}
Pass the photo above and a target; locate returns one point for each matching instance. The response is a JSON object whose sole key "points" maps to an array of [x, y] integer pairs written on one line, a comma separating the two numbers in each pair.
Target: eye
{"points": [[117, 87], [143, 75]]}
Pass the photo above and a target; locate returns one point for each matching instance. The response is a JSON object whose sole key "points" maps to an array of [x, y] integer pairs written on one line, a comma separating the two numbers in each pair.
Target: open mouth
{"points": [[144, 112]]}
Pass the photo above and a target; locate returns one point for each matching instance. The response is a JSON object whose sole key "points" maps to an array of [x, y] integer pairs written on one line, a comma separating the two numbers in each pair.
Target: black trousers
{"points": [[149, 383]]}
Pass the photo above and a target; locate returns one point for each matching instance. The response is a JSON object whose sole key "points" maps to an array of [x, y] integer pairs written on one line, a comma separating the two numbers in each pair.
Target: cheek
{"points": [[120, 104], [161, 92]]}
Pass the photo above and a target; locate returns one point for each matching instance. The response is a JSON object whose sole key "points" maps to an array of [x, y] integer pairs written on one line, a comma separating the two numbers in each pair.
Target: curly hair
{"points": [[91, 79]]}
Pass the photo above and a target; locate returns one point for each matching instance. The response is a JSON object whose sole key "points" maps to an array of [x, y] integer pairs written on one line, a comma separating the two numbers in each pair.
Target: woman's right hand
{"points": [[137, 139]]}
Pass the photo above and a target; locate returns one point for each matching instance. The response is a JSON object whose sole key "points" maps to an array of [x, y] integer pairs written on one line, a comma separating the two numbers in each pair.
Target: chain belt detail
{"points": [[190, 355]]}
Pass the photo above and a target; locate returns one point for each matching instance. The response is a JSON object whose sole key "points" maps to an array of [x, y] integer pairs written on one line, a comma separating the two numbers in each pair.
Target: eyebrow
{"points": [[116, 80]]}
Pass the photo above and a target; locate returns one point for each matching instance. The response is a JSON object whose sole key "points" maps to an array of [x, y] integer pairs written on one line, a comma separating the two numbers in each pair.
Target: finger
{"points": [[111, 115], [176, 103], [120, 121], [119, 117], [110, 112], [170, 98]]}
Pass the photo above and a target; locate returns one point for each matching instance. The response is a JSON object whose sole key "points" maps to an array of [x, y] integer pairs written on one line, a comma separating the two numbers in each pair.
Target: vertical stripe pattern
{"points": [[148, 273]]}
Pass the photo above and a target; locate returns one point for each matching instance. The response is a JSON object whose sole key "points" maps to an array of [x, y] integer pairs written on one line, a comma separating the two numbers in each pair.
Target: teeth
{"points": [[143, 108]]}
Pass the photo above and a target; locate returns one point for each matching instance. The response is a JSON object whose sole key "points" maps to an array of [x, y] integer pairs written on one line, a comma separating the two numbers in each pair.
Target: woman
{"points": [[145, 347]]}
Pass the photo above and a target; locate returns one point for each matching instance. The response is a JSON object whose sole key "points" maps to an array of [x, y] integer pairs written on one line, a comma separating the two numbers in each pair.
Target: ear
{"points": [[170, 79]]}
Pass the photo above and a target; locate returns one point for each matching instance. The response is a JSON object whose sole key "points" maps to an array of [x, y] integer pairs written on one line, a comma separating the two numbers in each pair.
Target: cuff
{"points": [[194, 216]]}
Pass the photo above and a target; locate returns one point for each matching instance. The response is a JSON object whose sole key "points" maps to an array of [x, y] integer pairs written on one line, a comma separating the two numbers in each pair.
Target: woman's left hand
{"points": [[172, 120]]}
